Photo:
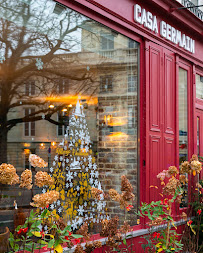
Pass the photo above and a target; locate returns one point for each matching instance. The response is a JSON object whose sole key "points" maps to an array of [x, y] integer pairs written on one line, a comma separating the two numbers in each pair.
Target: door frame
{"points": [[198, 108]]}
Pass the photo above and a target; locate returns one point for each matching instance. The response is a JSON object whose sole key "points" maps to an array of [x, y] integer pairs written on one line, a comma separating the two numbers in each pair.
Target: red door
{"points": [[160, 115]]}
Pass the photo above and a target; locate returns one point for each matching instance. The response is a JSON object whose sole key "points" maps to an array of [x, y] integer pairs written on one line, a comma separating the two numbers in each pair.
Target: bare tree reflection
{"points": [[33, 41]]}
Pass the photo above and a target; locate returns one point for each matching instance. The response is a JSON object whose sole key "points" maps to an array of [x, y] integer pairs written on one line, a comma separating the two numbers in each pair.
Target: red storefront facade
{"points": [[136, 70], [161, 57], [160, 60]]}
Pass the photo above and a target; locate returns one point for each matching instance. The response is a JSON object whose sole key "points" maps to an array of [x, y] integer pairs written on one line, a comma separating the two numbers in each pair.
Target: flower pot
{"points": [[4, 240]]}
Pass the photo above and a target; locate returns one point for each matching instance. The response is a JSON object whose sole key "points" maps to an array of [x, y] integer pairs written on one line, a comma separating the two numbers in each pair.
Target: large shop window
{"points": [[69, 94], [183, 125]]}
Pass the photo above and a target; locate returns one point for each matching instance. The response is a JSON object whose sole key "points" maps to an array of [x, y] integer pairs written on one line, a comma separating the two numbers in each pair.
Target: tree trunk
{"points": [[3, 145], [4, 108]]}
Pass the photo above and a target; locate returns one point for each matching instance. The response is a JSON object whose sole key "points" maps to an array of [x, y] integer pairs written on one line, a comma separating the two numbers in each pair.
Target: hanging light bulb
{"points": [[53, 143], [51, 106]]}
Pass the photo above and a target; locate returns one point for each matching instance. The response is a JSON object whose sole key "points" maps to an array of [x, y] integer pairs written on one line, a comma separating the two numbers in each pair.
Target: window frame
{"points": [[29, 123], [131, 88], [29, 91], [107, 79], [190, 116], [109, 39], [198, 101]]}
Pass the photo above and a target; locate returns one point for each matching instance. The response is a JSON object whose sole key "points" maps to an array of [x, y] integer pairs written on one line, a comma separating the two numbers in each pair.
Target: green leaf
{"points": [[35, 225], [16, 247], [124, 241], [32, 213], [114, 249], [68, 228], [11, 236], [42, 242], [44, 213], [18, 228], [76, 236], [66, 233], [57, 242], [51, 243], [11, 240], [29, 234], [28, 249]]}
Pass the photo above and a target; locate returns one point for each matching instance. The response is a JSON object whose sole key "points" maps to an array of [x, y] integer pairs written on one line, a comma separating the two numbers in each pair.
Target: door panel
{"points": [[160, 114], [155, 90], [169, 94]]}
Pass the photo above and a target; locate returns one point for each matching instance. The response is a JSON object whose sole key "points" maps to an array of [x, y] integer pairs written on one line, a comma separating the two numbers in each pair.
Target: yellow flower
{"points": [[158, 245], [58, 248], [159, 250]]}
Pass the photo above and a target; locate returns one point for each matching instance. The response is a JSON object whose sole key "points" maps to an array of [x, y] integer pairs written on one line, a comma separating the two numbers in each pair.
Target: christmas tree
{"points": [[75, 172]]}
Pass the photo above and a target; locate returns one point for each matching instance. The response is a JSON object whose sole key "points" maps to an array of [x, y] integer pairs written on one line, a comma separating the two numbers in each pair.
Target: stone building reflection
{"points": [[110, 102]]}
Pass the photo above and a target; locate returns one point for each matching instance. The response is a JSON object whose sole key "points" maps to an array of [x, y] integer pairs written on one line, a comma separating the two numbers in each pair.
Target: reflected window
{"points": [[63, 86], [199, 86], [29, 126], [131, 116], [132, 83], [106, 84], [30, 88], [132, 45], [107, 42]]}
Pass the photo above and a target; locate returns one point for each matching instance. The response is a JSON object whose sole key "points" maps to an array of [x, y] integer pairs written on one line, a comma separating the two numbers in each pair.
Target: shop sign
{"points": [[148, 20]]}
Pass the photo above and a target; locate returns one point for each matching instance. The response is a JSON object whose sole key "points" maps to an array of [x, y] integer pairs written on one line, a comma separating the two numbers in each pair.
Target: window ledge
{"points": [[133, 234]]}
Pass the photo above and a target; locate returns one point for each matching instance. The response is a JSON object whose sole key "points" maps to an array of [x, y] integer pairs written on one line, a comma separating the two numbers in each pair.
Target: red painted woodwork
{"points": [[169, 93], [161, 114], [169, 107], [198, 105], [155, 89], [198, 133], [199, 115]]}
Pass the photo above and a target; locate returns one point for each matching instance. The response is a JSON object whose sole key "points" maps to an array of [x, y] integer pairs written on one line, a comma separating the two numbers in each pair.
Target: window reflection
{"points": [[56, 63], [183, 126], [199, 86], [198, 135]]}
